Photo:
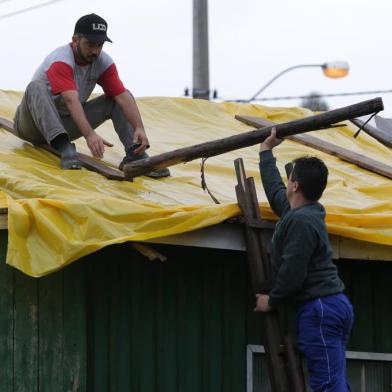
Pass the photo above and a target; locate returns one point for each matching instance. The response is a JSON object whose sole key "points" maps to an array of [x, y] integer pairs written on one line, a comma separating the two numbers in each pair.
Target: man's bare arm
{"points": [[131, 112]]}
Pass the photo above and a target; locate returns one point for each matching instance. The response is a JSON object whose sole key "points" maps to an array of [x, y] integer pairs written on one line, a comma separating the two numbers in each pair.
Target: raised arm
{"points": [[272, 182]]}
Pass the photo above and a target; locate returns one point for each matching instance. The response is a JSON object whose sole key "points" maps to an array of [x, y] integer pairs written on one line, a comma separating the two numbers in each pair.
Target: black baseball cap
{"points": [[92, 27]]}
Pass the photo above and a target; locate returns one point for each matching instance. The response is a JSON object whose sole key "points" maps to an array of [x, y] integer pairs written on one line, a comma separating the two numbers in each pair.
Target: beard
{"points": [[86, 59]]}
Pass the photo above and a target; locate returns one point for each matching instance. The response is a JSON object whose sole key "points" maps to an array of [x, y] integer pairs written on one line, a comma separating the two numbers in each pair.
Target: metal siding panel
{"points": [[136, 323], [6, 319], [119, 341], [382, 307], [234, 323], [143, 338], [189, 322], [212, 326], [98, 326], [354, 375], [261, 381], [25, 333], [378, 377], [50, 329], [358, 278], [167, 331], [147, 331], [74, 328], [188, 319]]}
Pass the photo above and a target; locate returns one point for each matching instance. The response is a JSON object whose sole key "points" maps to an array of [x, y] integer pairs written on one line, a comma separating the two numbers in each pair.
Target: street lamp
{"points": [[336, 69]]}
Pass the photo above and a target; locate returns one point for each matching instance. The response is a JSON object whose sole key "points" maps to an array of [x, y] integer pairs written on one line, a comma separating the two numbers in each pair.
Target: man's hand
{"points": [[97, 144], [140, 137], [271, 141], [262, 303]]}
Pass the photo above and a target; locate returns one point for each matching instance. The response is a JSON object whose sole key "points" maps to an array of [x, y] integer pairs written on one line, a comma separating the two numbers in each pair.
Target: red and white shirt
{"points": [[61, 72]]}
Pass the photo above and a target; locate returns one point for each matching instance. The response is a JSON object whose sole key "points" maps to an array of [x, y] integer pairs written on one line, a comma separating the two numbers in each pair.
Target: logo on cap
{"points": [[98, 26]]}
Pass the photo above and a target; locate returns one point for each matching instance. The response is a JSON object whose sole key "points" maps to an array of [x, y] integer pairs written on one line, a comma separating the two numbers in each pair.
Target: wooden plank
{"points": [[220, 146], [25, 333], [255, 260], [87, 161], [75, 329], [380, 135], [92, 164], [50, 329], [348, 248], [6, 319], [265, 236], [346, 155], [7, 125]]}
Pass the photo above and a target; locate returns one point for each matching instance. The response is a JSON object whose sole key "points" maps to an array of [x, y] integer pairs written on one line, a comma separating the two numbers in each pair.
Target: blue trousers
{"points": [[323, 327]]}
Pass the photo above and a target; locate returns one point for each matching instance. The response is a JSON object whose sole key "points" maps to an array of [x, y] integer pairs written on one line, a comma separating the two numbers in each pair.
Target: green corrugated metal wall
{"points": [[117, 322]]}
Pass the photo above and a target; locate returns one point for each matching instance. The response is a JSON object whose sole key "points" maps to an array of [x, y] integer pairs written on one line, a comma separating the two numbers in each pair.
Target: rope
{"points": [[364, 124], [204, 183]]}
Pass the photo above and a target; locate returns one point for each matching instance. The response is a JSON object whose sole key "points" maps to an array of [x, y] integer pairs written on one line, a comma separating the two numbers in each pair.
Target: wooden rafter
{"points": [[343, 153]]}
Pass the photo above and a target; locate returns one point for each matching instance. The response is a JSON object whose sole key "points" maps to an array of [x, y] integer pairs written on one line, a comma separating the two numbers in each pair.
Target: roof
{"points": [[56, 216]]}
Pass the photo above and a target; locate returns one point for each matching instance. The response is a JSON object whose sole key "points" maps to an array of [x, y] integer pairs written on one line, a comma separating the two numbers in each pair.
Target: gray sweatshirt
{"points": [[300, 249]]}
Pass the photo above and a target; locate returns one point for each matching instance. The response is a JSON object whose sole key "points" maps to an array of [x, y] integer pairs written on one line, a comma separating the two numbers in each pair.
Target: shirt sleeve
{"points": [[110, 82], [60, 77], [298, 248], [274, 187]]}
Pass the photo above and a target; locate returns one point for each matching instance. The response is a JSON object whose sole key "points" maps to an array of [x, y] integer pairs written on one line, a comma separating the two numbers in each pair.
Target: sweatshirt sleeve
{"points": [[273, 184], [300, 244]]}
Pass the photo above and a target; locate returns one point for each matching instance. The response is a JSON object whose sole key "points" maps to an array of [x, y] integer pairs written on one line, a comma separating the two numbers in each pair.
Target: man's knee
{"points": [[37, 86]]}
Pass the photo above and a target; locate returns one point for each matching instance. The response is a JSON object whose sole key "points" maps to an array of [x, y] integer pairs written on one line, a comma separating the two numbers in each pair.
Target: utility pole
{"points": [[201, 80]]}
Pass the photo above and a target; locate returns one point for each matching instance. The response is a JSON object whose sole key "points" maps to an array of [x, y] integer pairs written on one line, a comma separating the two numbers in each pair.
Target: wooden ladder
{"points": [[285, 372]]}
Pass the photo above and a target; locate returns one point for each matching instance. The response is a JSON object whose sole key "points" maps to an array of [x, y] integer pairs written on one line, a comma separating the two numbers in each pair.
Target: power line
{"points": [[327, 95], [314, 96], [22, 11]]}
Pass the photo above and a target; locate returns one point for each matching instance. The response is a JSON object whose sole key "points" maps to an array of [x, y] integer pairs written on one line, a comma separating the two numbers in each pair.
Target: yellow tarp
{"points": [[56, 217]]}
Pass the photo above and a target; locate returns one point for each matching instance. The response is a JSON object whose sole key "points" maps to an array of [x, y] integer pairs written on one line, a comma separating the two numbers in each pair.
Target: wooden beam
{"points": [[346, 155], [382, 136], [7, 125], [87, 161], [220, 146], [91, 164]]}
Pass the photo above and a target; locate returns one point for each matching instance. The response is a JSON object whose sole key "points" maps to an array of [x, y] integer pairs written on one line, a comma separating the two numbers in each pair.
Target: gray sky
{"points": [[250, 41]]}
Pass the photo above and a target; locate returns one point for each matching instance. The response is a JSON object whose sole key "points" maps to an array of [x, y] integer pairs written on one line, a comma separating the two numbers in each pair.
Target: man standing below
{"points": [[54, 109], [304, 273]]}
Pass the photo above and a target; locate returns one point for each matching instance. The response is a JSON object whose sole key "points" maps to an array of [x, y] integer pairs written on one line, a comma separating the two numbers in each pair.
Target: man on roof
{"points": [[54, 109], [303, 270]]}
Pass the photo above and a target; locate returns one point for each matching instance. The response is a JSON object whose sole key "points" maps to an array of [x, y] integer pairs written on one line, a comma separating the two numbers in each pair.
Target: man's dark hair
{"points": [[311, 175]]}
